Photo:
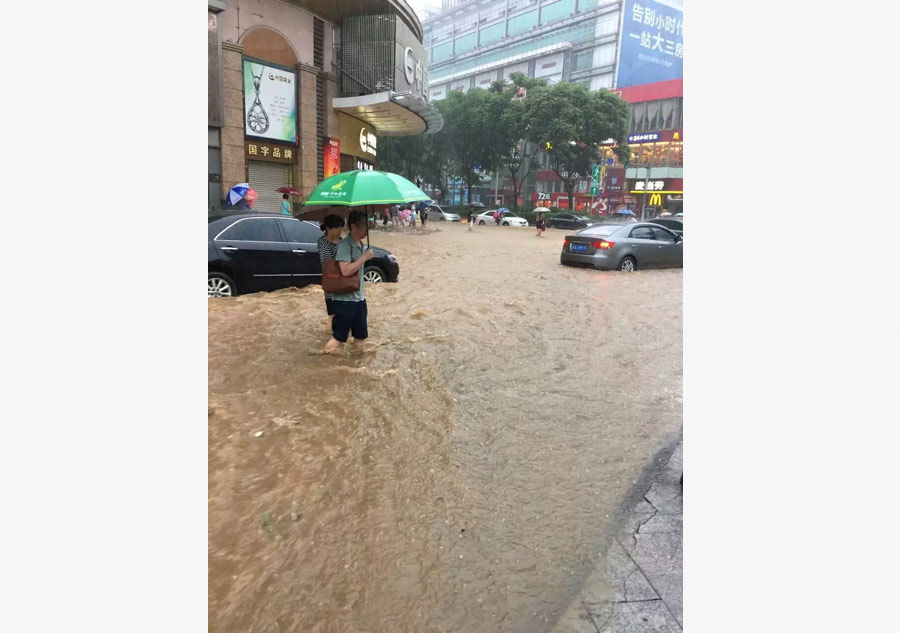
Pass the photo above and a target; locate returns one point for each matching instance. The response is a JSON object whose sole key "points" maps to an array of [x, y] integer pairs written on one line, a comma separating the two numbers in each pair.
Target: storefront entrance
{"points": [[266, 179]]}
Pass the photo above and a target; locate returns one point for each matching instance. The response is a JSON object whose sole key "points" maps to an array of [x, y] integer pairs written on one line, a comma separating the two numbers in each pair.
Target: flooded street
{"points": [[460, 475]]}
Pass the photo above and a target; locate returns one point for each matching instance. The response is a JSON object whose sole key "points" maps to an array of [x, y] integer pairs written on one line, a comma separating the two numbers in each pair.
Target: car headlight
{"points": [[391, 258]]}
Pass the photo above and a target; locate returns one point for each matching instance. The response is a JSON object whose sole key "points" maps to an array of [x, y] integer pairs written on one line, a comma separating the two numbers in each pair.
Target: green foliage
{"points": [[470, 134], [516, 147], [574, 121], [499, 130]]}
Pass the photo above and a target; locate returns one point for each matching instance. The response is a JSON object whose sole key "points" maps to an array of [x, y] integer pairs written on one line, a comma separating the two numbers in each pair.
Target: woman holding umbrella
{"points": [[541, 224]]}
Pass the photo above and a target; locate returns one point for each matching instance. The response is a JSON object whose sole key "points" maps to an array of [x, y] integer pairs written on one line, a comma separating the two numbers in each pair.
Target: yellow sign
{"points": [[675, 136], [655, 199], [272, 153]]}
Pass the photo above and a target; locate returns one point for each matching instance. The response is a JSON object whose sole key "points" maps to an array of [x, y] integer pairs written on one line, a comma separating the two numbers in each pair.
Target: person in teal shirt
{"points": [[285, 205], [350, 312]]}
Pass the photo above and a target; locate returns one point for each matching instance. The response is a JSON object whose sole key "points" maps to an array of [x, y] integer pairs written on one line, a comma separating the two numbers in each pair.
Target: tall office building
{"points": [[634, 48]]}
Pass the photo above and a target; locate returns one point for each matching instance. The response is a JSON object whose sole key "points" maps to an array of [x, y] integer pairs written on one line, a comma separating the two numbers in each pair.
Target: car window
{"points": [[297, 231], [600, 231], [663, 235], [669, 224], [253, 230], [642, 232]]}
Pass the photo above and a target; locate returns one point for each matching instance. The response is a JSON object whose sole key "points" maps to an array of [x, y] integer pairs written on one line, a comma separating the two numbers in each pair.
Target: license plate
{"points": [[578, 248]]}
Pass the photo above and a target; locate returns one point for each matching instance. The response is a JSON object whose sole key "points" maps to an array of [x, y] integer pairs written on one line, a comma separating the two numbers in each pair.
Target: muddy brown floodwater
{"points": [[463, 473]]}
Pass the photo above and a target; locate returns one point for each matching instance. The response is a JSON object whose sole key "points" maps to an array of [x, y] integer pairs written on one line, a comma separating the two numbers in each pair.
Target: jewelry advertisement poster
{"points": [[270, 102]]}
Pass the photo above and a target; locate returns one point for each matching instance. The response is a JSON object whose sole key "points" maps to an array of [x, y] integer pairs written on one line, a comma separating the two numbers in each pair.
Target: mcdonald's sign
{"points": [[655, 200]]}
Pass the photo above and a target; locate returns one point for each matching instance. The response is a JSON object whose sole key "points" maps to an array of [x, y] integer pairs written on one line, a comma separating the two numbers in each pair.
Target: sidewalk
{"points": [[639, 590]]}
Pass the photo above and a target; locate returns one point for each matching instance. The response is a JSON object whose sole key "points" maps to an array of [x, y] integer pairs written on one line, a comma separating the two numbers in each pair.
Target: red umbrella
{"points": [[289, 190]]}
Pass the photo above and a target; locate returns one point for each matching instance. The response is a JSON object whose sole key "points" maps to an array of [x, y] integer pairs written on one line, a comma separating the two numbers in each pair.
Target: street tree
{"points": [[401, 155], [469, 133], [569, 121], [516, 148]]}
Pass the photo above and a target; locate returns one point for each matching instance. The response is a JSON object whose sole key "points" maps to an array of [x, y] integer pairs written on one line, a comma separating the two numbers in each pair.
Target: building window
{"points": [[557, 11], [491, 34], [582, 60], [607, 24], [444, 51], [466, 43], [604, 55], [522, 23], [653, 115], [676, 154], [600, 82]]}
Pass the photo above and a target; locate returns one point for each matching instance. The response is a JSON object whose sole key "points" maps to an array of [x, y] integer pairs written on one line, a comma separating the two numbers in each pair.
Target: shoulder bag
{"points": [[336, 283]]}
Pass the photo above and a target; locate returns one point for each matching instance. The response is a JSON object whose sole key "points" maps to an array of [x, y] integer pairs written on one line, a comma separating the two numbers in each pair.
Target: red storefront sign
{"points": [[332, 155], [560, 200]]}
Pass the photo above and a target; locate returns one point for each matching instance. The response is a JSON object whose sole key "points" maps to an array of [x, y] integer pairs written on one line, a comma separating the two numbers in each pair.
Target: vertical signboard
{"points": [[270, 101], [332, 157], [652, 46]]}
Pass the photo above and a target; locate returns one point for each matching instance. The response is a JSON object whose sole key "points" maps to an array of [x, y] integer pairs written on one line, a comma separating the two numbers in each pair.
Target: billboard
{"points": [[332, 157], [270, 101], [652, 46]]}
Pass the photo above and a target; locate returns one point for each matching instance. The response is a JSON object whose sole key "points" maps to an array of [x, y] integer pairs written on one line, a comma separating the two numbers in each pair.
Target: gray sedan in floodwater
{"points": [[621, 246]]}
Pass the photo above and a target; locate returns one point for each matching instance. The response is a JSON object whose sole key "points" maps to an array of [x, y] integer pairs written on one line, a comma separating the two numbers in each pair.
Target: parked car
{"points": [[437, 213], [255, 252], [506, 219], [623, 246], [569, 221], [673, 224]]}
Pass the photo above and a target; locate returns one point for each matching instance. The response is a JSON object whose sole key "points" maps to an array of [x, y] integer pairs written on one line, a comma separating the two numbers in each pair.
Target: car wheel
{"points": [[481, 223], [443, 219], [505, 224], [220, 285], [628, 264], [374, 275]]}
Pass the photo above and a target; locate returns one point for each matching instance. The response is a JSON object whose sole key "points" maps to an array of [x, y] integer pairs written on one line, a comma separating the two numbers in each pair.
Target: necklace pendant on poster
{"points": [[257, 118]]}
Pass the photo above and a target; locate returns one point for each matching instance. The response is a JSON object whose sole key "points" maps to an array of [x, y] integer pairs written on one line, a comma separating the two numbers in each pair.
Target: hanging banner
{"points": [[651, 47], [270, 101], [332, 151]]}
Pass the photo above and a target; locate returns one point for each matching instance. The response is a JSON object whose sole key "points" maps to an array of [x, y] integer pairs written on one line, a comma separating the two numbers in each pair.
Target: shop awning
{"points": [[392, 113]]}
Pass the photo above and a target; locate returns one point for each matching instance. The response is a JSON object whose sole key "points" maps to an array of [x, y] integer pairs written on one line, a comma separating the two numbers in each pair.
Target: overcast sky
{"points": [[420, 5]]}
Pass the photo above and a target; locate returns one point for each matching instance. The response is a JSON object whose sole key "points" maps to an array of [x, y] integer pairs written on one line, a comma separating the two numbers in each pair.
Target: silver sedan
{"points": [[619, 246]]}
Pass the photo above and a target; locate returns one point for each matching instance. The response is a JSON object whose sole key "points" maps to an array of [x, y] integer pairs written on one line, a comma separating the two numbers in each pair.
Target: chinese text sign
{"points": [[652, 43]]}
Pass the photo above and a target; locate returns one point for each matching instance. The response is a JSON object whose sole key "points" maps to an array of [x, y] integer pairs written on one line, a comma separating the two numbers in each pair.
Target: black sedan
{"points": [[256, 252], [569, 221], [675, 225]]}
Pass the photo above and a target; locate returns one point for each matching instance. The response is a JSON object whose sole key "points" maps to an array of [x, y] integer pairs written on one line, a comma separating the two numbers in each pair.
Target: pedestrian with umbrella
{"points": [[360, 188], [240, 197], [285, 199], [541, 224], [350, 311]]}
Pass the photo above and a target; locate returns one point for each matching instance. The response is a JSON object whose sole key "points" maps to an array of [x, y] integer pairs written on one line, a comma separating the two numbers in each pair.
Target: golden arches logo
{"points": [[655, 200], [675, 136]]}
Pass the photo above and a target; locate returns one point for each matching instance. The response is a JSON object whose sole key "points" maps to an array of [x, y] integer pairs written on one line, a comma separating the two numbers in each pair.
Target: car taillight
{"points": [[566, 242], [603, 245]]}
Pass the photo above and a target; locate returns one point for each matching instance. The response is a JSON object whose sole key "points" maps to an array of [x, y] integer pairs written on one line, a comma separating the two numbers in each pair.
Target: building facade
{"points": [[632, 47], [302, 89]]}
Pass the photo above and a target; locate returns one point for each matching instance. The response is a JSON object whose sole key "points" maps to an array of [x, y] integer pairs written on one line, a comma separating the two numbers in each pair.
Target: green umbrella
{"points": [[364, 187]]}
